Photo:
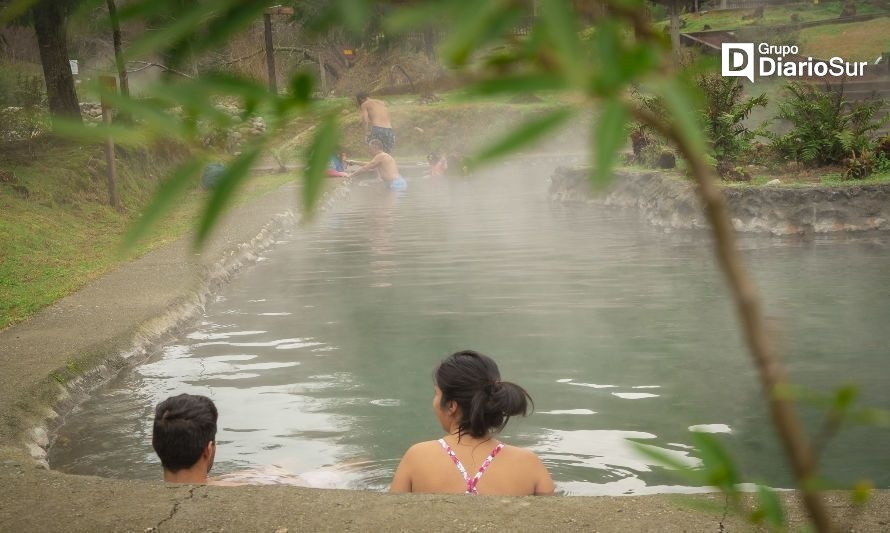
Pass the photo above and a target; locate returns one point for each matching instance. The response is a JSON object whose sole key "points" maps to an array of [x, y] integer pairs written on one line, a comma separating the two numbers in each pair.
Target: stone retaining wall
{"points": [[669, 201]]}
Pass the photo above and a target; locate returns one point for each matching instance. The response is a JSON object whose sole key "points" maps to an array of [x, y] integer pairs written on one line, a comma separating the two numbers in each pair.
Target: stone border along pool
{"points": [[58, 356], [671, 203]]}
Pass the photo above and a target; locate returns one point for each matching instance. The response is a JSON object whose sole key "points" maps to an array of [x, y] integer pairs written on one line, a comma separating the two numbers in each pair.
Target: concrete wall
{"points": [[670, 201]]}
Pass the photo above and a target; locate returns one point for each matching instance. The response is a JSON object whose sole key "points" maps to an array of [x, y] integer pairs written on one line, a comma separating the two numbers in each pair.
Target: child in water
{"points": [[472, 404]]}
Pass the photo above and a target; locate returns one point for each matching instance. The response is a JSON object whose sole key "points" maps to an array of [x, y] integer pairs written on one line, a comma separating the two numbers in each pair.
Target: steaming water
{"points": [[320, 356]]}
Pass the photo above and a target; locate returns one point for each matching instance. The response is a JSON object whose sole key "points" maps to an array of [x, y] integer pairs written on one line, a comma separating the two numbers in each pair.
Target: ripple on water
{"points": [[634, 395]]}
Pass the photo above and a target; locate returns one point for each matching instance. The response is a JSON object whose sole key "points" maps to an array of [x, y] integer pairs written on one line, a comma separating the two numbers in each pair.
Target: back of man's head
{"points": [[361, 97], [184, 425], [376, 145]]}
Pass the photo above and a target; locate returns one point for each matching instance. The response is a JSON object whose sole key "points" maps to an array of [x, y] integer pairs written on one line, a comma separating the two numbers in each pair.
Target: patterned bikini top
{"points": [[471, 481]]}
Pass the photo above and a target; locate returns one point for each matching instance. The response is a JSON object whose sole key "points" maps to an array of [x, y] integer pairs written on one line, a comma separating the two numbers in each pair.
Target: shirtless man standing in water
{"points": [[375, 115], [385, 165]]}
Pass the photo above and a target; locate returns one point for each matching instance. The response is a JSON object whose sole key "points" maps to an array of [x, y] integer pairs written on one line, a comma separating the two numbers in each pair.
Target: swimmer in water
{"points": [[385, 165], [184, 437], [472, 404]]}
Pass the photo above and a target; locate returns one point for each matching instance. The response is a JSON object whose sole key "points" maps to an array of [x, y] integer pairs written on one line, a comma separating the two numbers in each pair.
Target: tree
{"points": [[50, 19]]}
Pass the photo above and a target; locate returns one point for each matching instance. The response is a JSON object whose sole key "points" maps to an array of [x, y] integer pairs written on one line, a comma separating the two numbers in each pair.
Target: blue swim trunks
{"points": [[398, 184]]}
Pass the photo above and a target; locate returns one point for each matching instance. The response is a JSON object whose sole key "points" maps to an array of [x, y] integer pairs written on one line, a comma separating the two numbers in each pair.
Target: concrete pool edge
{"points": [[668, 201], [44, 500], [53, 361]]}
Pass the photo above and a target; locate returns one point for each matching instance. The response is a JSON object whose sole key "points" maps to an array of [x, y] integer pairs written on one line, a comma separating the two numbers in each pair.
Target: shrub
{"points": [[825, 128], [26, 119], [724, 116]]}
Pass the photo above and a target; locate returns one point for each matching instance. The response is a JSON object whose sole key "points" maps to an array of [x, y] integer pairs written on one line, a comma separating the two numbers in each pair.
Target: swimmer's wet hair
{"points": [[183, 427], [474, 382], [361, 97], [376, 143]]}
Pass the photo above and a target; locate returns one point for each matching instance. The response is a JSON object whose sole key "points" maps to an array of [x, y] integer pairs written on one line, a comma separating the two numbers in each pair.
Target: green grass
{"points": [[772, 15], [826, 180], [63, 235], [859, 41]]}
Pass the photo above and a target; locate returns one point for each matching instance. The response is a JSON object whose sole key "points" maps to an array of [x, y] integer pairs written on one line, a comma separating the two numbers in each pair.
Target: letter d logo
{"points": [[737, 60]]}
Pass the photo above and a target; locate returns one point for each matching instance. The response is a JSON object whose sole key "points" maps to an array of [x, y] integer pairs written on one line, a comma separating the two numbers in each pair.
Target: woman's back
{"points": [[512, 471], [472, 404]]}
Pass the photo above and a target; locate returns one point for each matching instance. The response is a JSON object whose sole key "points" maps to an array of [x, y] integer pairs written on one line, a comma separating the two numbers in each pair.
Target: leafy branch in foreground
{"points": [[623, 51]]}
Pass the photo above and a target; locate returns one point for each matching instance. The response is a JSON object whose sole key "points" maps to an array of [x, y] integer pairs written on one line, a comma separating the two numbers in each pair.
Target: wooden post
{"points": [[323, 75], [109, 83], [270, 53]]}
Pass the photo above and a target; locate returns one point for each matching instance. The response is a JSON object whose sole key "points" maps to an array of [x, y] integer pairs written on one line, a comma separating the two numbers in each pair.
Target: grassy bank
{"points": [[730, 19], [57, 231], [859, 41]]}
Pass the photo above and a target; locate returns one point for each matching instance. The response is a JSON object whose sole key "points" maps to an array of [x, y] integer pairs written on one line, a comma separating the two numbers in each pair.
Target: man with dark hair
{"points": [[184, 437], [385, 165], [375, 115]]}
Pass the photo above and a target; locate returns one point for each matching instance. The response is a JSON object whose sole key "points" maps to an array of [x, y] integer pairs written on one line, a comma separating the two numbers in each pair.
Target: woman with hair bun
{"points": [[472, 404]]}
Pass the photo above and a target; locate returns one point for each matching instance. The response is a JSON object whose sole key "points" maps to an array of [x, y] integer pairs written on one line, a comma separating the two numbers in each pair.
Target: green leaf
{"points": [[608, 137], [562, 29], [664, 458], [301, 88], [524, 135], [477, 24], [769, 508], [525, 83], [77, 130], [224, 191], [419, 16], [353, 13], [862, 491], [164, 198], [719, 467], [844, 397], [317, 156], [679, 100], [182, 27], [15, 9]]}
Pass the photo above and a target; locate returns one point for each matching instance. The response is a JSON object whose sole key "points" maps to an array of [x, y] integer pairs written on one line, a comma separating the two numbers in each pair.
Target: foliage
{"points": [[825, 127]]}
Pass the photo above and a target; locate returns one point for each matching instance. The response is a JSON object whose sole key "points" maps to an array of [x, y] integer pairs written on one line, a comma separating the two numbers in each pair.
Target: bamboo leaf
{"points": [[562, 30], [522, 136], [516, 84], [680, 102], [224, 191], [608, 137], [77, 130], [769, 508], [478, 24], [668, 460], [14, 10], [319, 153], [164, 198], [719, 467], [183, 26]]}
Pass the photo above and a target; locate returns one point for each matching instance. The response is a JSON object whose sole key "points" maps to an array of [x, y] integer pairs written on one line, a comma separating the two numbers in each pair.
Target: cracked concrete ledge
{"points": [[113, 323]]}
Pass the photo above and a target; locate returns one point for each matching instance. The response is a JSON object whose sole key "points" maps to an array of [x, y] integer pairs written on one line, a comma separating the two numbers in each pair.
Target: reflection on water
{"points": [[320, 357]]}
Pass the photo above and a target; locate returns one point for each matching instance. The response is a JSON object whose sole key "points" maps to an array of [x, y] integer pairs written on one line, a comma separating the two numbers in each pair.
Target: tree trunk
{"points": [[50, 24], [675, 31], [429, 43], [118, 54]]}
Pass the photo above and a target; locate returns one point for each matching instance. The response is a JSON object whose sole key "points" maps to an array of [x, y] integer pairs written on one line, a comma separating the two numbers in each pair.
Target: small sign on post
{"points": [[109, 86], [75, 69]]}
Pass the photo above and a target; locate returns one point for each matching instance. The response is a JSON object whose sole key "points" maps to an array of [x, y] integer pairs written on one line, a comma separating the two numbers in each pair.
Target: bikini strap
{"points": [[471, 483], [455, 460]]}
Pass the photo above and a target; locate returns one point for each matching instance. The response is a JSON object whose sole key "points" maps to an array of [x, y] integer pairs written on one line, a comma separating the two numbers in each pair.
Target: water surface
{"points": [[320, 356]]}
